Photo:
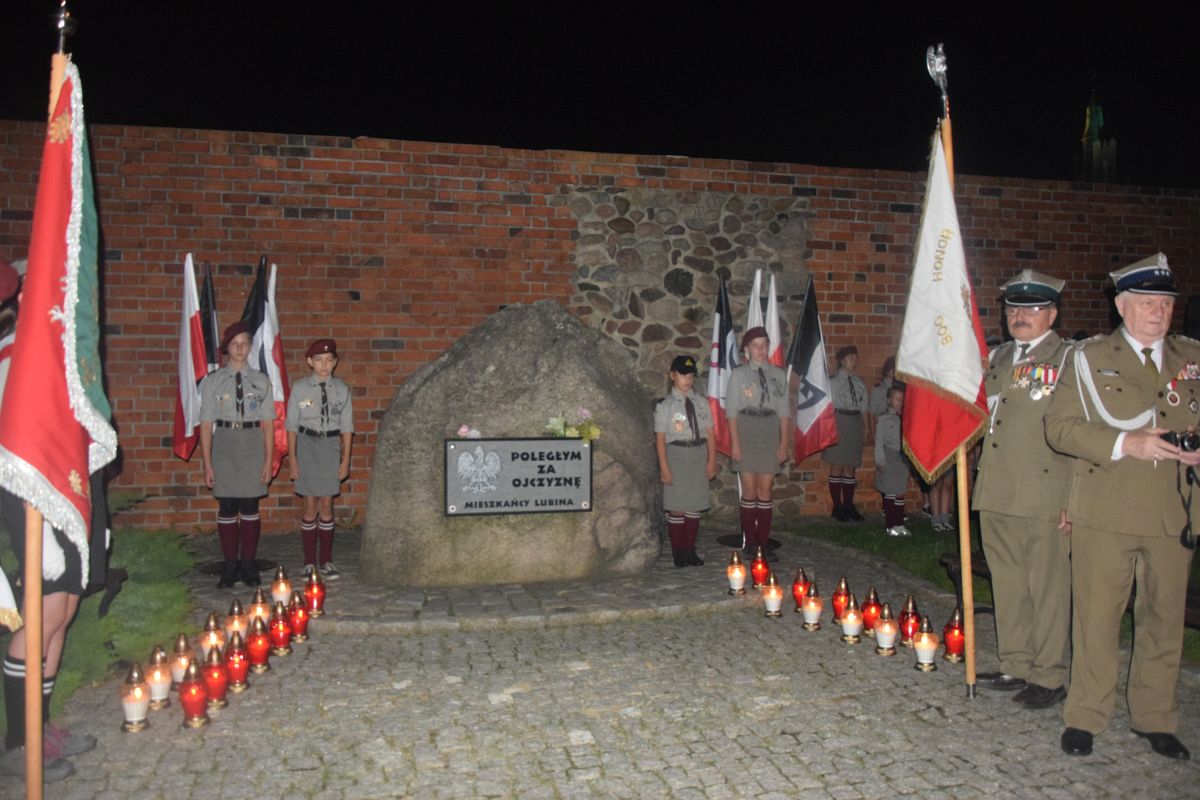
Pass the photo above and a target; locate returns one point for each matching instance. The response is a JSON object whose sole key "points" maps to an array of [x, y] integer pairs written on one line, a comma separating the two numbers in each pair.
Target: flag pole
{"points": [[935, 62]]}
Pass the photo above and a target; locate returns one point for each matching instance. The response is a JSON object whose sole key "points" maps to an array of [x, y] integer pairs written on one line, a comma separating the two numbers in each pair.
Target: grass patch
{"points": [[151, 608], [920, 553]]}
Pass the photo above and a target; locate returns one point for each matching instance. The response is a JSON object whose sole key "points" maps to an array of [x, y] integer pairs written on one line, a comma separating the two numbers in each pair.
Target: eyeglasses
{"points": [[1029, 311]]}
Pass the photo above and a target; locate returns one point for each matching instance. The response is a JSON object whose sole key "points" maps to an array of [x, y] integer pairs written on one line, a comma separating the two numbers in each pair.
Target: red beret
{"points": [[321, 346], [754, 333], [232, 331], [848, 350]]}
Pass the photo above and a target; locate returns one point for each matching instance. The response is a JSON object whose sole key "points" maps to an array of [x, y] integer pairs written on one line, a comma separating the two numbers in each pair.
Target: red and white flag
{"points": [[266, 350], [55, 429], [721, 362], [942, 349], [774, 337], [193, 366], [815, 427]]}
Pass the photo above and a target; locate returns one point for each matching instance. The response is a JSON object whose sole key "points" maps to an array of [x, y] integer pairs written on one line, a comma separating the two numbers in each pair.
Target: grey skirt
{"points": [[689, 485], [892, 477], [848, 452], [237, 456], [759, 437], [318, 459]]}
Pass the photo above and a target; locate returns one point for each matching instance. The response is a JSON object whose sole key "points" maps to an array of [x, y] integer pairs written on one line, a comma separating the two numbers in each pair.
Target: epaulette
{"points": [[1081, 344], [1179, 337]]}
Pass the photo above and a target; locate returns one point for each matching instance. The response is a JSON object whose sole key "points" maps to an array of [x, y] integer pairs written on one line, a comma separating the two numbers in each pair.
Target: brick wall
{"points": [[396, 248]]}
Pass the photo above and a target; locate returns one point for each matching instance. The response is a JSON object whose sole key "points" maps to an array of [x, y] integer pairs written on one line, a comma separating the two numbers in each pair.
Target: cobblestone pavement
{"points": [[657, 686]]}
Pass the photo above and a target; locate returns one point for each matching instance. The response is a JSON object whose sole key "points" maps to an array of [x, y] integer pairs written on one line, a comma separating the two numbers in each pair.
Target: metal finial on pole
{"points": [[65, 24], [935, 62]]}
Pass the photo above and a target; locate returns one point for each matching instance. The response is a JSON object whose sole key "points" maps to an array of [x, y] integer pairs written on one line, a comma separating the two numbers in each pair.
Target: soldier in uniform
{"points": [[1129, 507], [1021, 496], [849, 396], [237, 442], [320, 428]]}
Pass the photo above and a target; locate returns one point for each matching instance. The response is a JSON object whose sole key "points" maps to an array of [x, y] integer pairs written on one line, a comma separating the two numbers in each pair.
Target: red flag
{"points": [[720, 364], [942, 349], [193, 365], [55, 428], [266, 350], [815, 427], [774, 337]]}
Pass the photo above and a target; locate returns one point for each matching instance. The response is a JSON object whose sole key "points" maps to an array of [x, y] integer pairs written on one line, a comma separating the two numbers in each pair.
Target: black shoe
{"points": [[229, 575], [1077, 743], [250, 575], [1000, 681], [853, 515], [1165, 744], [694, 560], [679, 557], [1036, 697], [840, 515]]}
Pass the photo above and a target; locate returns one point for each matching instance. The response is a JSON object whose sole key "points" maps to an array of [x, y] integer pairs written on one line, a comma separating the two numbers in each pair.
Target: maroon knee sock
{"points": [[848, 487], [691, 527], [889, 512], [325, 538], [308, 537], [835, 491], [227, 532], [249, 526], [749, 512], [765, 512], [675, 525]]}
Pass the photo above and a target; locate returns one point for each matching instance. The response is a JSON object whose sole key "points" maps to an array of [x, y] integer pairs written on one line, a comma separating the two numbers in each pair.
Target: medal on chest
{"points": [[1039, 379]]}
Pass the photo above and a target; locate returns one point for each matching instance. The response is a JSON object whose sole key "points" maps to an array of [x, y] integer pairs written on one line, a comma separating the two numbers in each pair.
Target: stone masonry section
{"points": [[397, 248]]}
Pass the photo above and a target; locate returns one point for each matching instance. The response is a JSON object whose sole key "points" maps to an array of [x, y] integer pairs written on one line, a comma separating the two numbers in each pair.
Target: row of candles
{"points": [[229, 651], [872, 618]]}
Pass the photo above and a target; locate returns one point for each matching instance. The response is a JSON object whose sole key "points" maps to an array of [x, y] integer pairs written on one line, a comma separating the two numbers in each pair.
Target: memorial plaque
{"points": [[517, 476]]}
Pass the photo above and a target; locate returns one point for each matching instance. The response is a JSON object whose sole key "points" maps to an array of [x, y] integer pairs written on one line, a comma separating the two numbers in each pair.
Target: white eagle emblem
{"points": [[479, 471]]}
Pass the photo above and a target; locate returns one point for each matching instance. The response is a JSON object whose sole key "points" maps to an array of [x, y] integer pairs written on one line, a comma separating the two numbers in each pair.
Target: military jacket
{"points": [[1104, 390], [304, 406], [218, 396], [670, 417], [1019, 474]]}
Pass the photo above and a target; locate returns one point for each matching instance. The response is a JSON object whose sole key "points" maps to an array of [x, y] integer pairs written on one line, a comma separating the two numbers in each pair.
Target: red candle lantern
{"points": [[237, 664], [193, 697], [870, 612], [298, 617], [799, 589], [839, 599], [259, 607], [216, 679], [280, 632], [258, 647], [314, 593], [910, 620], [954, 638], [759, 568], [235, 620]]}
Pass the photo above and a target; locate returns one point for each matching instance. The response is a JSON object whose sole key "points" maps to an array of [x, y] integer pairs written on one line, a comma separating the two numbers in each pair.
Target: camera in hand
{"points": [[1187, 441]]}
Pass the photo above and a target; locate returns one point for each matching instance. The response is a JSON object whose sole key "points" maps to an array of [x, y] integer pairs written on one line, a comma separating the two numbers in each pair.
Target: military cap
{"points": [[1031, 288], [321, 346], [683, 365], [1148, 276]]}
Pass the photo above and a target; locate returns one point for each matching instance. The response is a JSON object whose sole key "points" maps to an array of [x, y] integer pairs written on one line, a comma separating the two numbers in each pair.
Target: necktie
{"points": [[853, 394], [324, 408], [1024, 351], [764, 391], [690, 408], [1151, 367], [238, 381]]}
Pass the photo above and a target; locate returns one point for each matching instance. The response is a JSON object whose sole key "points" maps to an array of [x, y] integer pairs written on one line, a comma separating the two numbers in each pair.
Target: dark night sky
{"points": [[838, 89]]}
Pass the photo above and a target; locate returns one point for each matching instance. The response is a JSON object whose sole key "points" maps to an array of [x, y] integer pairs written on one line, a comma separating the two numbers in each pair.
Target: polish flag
{"points": [[193, 366], [942, 349], [774, 337]]}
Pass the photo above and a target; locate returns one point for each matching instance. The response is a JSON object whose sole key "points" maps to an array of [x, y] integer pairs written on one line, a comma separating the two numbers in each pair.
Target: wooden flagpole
{"points": [[935, 61]]}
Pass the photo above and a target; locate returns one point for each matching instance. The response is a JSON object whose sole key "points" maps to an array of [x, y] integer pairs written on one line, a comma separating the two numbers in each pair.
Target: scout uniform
{"points": [[757, 397], [848, 394], [1128, 516], [891, 472], [684, 420], [1020, 492], [237, 403]]}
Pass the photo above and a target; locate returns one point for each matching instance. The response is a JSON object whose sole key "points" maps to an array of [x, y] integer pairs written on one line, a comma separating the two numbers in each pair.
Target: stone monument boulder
{"points": [[506, 378]]}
